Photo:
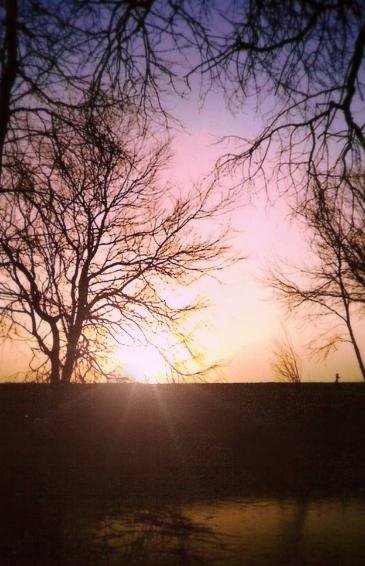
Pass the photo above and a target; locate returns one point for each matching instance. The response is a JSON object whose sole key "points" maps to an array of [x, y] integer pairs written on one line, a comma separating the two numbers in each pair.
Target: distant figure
{"points": [[337, 377]]}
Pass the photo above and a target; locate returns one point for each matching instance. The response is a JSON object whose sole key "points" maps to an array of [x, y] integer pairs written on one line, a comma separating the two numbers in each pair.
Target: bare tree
{"points": [[334, 283], [305, 57], [87, 252], [303, 62], [52, 52], [287, 365]]}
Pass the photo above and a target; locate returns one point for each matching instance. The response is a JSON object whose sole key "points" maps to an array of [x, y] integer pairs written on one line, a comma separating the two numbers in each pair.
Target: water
{"points": [[328, 531], [288, 532]]}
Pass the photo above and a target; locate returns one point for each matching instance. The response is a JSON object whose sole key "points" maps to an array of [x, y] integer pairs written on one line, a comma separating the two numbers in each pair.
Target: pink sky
{"points": [[244, 319]]}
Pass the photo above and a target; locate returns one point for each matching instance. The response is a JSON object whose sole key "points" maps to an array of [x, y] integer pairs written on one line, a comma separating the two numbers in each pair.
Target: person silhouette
{"points": [[337, 378]]}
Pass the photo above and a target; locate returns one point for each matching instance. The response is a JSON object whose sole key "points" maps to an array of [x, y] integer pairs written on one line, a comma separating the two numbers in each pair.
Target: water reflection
{"points": [[329, 531], [151, 536], [289, 531], [241, 531]]}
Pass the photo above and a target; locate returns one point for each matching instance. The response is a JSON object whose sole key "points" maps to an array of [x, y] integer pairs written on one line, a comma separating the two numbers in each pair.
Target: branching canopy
{"points": [[87, 252]]}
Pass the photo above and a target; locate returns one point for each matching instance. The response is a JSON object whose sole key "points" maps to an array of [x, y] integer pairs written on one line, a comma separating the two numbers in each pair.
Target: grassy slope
{"points": [[183, 439]]}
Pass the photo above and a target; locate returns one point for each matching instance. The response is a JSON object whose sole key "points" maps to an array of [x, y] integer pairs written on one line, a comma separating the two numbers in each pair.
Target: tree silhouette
{"points": [[287, 364], [304, 56], [334, 282], [303, 61], [87, 252], [52, 53]]}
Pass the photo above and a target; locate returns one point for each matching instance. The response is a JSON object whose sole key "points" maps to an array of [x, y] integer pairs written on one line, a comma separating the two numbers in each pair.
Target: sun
{"points": [[143, 363], [167, 356]]}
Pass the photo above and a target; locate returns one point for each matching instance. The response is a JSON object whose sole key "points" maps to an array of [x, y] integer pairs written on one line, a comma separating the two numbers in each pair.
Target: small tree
{"points": [[287, 365], [87, 251]]}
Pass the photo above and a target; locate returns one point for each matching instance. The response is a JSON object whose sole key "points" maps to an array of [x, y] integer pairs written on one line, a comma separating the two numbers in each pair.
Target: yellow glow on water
{"points": [[274, 531]]}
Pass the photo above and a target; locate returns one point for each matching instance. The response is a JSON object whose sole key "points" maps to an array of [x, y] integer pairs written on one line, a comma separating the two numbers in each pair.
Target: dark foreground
{"points": [[146, 459]]}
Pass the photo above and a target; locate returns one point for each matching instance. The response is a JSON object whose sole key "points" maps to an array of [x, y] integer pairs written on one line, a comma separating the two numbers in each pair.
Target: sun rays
{"points": [[143, 363]]}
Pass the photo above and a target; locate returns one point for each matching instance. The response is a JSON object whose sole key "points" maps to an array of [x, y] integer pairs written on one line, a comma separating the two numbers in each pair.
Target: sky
{"points": [[244, 319]]}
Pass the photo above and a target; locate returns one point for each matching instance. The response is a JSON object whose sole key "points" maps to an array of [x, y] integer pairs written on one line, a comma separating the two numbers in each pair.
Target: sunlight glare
{"points": [[143, 364]]}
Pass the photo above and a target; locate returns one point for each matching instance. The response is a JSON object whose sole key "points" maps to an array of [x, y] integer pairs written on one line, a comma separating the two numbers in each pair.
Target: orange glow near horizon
{"points": [[143, 364], [243, 320]]}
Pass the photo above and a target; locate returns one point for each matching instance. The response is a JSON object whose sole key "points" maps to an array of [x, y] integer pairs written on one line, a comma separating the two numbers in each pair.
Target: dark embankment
{"points": [[182, 439]]}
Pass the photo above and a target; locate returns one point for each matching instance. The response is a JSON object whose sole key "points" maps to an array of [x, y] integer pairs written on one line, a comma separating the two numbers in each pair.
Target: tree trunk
{"points": [[70, 357], [55, 371], [75, 331], [55, 356], [353, 340], [9, 70], [346, 303], [357, 351]]}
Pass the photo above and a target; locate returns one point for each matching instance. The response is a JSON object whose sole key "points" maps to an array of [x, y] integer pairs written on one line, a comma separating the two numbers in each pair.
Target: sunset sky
{"points": [[244, 319]]}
